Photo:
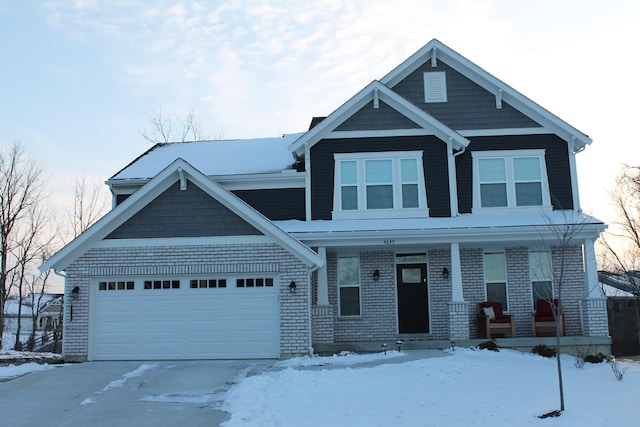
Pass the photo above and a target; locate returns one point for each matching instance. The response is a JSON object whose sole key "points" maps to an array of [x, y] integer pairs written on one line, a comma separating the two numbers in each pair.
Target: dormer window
{"points": [[435, 87], [510, 179], [379, 185]]}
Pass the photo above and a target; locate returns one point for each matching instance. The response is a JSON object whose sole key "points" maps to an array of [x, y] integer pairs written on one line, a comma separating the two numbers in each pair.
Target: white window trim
{"points": [[509, 155], [350, 285], [506, 278], [422, 211], [439, 80]]}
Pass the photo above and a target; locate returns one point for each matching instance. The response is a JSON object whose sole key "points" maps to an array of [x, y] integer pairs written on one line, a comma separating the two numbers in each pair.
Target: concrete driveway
{"points": [[185, 393]]}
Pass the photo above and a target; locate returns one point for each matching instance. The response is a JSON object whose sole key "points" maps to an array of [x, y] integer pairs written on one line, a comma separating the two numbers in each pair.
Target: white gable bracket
{"points": [[499, 99], [434, 60], [376, 99], [183, 181]]}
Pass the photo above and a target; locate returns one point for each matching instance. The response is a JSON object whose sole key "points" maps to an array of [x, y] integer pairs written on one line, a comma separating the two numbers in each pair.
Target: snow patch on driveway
{"points": [[181, 398], [135, 373]]}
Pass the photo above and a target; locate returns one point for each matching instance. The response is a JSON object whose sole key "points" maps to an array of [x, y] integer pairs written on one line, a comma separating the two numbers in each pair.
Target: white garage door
{"points": [[187, 318]]}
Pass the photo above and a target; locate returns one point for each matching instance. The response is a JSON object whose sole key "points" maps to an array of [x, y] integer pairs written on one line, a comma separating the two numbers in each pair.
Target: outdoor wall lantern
{"points": [[445, 273], [292, 286], [74, 292], [376, 275]]}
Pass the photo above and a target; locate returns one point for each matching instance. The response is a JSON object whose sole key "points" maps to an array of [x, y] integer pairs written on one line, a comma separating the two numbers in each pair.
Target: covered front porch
{"points": [[427, 297]]}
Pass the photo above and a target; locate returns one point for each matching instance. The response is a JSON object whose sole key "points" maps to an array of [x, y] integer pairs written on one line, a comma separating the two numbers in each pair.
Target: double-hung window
{"points": [[541, 275], [510, 179], [349, 286], [379, 185], [495, 276]]}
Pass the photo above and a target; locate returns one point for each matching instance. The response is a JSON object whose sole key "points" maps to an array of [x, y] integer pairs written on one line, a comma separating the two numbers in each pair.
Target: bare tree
{"points": [[90, 202], [33, 238], [166, 128], [621, 243], [21, 184], [37, 287], [561, 239]]}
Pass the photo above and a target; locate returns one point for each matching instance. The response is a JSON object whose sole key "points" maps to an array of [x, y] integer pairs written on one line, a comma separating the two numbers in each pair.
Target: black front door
{"points": [[413, 303]]}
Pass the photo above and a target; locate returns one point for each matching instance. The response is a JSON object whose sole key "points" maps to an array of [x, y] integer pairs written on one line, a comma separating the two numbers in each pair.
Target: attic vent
{"points": [[435, 87]]}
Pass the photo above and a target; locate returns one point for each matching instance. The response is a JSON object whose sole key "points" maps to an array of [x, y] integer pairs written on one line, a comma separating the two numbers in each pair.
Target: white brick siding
{"points": [[187, 260]]}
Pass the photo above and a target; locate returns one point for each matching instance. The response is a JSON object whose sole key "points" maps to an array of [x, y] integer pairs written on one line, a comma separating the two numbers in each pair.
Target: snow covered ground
{"points": [[424, 388], [468, 387]]}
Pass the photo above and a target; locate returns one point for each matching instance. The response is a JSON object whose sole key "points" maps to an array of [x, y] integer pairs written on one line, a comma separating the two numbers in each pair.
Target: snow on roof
{"points": [[220, 157], [610, 291]]}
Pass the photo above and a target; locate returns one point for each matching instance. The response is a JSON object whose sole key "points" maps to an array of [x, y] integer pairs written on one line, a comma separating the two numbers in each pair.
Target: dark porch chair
{"points": [[543, 322], [492, 321]]}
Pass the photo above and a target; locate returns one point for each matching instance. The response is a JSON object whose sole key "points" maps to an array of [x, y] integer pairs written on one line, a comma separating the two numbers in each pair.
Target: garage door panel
{"points": [[185, 323]]}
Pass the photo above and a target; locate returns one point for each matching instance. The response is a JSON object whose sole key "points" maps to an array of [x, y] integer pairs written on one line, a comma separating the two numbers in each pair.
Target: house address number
{"points": [[389, 242]]}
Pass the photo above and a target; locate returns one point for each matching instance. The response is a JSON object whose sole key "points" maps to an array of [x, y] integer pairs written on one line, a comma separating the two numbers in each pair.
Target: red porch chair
{"points": [[492, 321], [543, 322]]}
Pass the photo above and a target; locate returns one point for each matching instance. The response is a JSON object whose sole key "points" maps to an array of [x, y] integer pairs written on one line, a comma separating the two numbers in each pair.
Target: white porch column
{"points": [[323, 285], [456, 274], [591, 270], [458, 308]]}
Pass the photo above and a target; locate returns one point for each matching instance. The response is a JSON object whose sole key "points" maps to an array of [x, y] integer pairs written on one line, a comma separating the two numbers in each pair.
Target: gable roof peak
{"points": [[374, 91], [435, 51]]}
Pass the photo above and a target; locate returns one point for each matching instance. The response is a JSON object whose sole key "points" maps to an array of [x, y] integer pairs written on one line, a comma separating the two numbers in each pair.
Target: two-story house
{"points": [[429, 191]]}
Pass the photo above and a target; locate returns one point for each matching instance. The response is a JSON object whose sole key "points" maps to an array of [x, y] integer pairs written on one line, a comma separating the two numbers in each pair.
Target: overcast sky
{"points": [[79, 79]]}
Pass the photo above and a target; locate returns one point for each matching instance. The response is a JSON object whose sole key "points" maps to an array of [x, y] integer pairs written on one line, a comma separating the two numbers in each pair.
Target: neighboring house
{"points": [[427, 192], [623, 309], [48, 316]]}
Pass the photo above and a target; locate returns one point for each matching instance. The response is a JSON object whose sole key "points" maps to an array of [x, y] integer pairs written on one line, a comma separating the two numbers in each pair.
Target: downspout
{"points": [[573, 170], [455, 180]]}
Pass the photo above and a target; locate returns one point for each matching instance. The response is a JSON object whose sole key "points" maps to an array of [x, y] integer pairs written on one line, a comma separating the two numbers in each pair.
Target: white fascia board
{"points": [[489, 83], [330, 123], [505, 132], [261, 181], [257, 181]]}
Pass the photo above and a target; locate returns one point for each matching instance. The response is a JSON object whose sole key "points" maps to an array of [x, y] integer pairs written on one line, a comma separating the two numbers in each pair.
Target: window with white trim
{"points": [[541, 275], [379, 185], [495, 277], [349, 286], [510, 179]]}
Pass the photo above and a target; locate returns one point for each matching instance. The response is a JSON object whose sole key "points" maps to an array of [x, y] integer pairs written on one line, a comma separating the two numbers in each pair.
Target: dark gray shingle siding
{"points": [[276, 204], [382, 118], [468, 105], [189, 213]]}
